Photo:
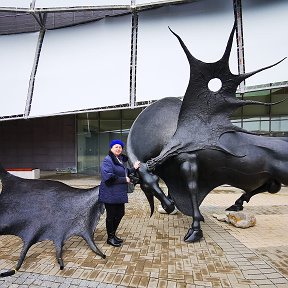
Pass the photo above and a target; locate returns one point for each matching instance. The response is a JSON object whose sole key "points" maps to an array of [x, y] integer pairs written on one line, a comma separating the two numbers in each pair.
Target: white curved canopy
{"points": [[94, 66]]}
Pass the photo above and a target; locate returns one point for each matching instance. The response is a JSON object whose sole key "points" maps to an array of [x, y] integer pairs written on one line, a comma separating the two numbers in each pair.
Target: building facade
{"points": [[74, 77]]}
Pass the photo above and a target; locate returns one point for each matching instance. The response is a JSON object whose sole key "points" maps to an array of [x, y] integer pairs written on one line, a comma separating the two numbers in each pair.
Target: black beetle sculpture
{"points": [[38, 210], [193, 146]]}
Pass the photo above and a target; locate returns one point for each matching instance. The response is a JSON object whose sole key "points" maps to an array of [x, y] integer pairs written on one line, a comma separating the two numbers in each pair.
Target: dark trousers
{"points": [[114, 214]]}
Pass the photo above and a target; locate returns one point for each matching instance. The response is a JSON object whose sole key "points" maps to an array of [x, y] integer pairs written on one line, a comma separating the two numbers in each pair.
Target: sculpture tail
{"points": [[8, 273]]}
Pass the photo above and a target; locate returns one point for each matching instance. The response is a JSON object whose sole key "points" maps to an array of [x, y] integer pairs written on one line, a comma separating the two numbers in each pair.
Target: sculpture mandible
{"points": [[194, 147]]}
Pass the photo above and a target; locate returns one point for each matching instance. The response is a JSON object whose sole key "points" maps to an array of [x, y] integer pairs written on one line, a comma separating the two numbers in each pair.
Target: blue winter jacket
{"points": [[113, 186]]}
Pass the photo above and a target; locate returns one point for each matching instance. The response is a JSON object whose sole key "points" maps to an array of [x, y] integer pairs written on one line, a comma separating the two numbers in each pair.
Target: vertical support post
{"points": [[99, 143], [76, 142], [32, 4], [240, 47], [270, 111], [133, 59], [34, 69], [121, 124]]}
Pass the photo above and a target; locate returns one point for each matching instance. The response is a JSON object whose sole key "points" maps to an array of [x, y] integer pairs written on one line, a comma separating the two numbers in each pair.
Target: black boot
{"points": [[116, 223], [119, 240], [112, 241], [111, 233]]}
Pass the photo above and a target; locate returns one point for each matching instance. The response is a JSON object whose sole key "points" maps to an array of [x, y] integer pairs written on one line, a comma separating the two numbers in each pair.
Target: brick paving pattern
{"points": [[154, 253]]}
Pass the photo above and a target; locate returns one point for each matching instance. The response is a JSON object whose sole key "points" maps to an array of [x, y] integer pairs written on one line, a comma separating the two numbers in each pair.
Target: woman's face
{"points": [[116, 149]]}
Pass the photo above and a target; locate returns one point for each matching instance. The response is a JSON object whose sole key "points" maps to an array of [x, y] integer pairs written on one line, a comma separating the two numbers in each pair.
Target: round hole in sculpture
{"points": [[215, 84]]}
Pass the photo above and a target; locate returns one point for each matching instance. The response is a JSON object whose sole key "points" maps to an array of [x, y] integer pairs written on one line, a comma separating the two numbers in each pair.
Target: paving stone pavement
{"points": [[154, 253]]}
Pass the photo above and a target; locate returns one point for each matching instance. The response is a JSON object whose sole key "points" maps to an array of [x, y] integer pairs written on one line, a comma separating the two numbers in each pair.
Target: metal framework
{"points": [[133, 62], [15, 20], [33, 72], [19, 20]]}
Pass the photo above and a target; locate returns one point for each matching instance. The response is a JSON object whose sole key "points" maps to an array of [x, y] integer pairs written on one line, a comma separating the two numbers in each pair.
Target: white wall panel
{"points": [[16, 57], [73, 3], [162, 67], [138, 2], [265, 39], [15, 3], [85, 66]]}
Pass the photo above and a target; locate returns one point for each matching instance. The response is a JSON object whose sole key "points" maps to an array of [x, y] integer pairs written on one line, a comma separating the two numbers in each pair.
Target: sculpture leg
{"points": [[189, 171], [150, 185], [272, 186], [59, 255], [23, 253], [88, 238]]}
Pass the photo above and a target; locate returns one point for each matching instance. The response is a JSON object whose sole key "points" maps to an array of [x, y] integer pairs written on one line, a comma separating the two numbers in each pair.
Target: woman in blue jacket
{"points": [[114, 188]]}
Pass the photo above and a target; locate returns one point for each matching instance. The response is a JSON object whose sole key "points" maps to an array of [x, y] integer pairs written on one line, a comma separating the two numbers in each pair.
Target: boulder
{"points": [[241, 219], [238, 219]]}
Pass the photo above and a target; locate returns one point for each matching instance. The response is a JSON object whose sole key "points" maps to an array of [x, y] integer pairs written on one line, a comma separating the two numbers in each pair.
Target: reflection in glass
{"points": [[95, 130], [94, 134]]}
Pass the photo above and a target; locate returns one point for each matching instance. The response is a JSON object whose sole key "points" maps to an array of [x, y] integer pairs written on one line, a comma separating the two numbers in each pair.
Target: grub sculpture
{"points": [[38, 210], [193, 146]]}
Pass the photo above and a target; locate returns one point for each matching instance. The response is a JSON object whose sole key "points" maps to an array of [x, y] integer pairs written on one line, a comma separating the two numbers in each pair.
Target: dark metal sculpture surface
{"points": [[193, 146], [38, 210]]}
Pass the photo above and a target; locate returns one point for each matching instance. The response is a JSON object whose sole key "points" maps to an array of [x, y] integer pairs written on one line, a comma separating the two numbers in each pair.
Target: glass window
{"points": [[88, 143], [251, 125], [95, 132], [276, 96], [284, 125], [275, 125], [264, 125], [260, 114]]}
